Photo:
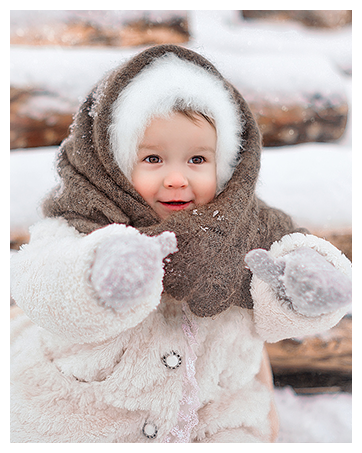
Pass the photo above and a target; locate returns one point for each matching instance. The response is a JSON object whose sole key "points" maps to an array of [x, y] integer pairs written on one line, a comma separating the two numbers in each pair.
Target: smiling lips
{"points": [[176, 205]]}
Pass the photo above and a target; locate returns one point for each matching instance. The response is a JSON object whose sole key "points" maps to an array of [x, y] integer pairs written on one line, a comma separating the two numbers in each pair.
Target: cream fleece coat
{"points": [[84, 373]]}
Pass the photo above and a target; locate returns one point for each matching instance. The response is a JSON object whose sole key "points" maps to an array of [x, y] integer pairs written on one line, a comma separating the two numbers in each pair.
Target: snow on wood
{"points": [[98, 28], [295, 86], [38, 118], [311, 18]]}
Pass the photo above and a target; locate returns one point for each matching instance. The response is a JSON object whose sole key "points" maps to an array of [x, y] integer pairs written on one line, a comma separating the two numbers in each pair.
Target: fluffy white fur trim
{"points": [[50, 282], [275, 321], [155, 91]]}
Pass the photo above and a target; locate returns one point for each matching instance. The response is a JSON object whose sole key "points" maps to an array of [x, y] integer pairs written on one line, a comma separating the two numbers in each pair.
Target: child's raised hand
{"points": [[126, 268], [305, 278]]}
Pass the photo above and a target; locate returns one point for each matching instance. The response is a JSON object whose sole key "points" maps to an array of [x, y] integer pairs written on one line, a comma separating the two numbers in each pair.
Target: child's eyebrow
{"points": [[203, 149], [147, 146], [197, 149]]}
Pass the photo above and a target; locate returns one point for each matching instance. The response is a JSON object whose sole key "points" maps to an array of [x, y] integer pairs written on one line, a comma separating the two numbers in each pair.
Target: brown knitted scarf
{"points": [[208, 271]]}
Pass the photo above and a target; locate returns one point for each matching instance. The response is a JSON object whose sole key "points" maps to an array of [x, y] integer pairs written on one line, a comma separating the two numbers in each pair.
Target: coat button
{"points": [[150, 430], [172, 360]]}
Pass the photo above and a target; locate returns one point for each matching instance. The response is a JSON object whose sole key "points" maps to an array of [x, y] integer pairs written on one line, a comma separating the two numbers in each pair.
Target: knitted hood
{"points": [[95, 163]]}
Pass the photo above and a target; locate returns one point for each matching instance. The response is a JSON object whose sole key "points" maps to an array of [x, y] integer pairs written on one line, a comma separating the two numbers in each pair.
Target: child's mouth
{"points": [[175, 205]]}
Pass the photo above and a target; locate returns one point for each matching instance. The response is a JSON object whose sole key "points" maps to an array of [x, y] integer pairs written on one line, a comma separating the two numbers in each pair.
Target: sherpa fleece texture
{"points": [[83, 373], [208, 271]]}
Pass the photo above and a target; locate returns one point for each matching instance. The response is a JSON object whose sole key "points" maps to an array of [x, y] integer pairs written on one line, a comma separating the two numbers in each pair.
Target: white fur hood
{"points": [[155, 91]]}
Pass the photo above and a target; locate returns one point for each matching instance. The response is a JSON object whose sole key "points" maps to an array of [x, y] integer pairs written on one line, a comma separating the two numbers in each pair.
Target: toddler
{"points": [[157, 275]]}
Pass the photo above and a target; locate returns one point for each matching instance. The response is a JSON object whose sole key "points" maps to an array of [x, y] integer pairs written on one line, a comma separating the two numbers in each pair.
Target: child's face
{"points": [[176, 164]]}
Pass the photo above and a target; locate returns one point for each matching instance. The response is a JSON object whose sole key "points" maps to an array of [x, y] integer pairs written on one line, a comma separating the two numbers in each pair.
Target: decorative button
{"points": [[172, 360], [150, 430]]}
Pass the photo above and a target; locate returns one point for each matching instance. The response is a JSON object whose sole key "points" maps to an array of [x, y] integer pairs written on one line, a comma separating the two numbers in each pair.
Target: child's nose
{"points": [[175, 180]]}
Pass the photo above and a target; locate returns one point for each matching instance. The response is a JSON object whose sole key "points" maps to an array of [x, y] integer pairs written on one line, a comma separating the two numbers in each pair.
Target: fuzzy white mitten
{"points": [[304, 278], [126, 268]]}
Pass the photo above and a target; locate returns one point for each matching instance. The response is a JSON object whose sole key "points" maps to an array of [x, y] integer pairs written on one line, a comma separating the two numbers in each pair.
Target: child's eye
{"points": [[153, 159], [196, 160]]}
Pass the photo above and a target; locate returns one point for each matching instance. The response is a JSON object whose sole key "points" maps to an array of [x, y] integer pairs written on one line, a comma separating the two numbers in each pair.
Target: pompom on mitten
{"points": [[126, 268], [304, 278]]}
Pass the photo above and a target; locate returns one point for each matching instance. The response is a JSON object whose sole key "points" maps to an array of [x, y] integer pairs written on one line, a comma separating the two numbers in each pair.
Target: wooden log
{"points": [[79, 30], [38, 117], [330, 352], [341, 238], [316, 120], [142, 33], [42, 118], [310, 18], [18, 237]]}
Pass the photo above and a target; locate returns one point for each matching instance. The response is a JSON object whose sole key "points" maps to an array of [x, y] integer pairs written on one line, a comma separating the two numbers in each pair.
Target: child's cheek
{"points": [[147, 186], [207, 189]]}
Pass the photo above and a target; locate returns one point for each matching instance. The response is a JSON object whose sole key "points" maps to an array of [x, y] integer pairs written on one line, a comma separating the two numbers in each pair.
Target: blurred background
{"points": [[295, 70]]}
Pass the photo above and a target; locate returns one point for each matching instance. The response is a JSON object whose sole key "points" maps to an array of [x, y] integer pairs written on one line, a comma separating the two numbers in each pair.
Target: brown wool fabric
{"points": [[208, 271]]}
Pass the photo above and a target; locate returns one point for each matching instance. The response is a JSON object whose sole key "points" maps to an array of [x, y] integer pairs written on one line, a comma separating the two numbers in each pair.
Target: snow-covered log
{"points": [[293, 77], [98, 28], [311, 18], [41, 117], [38, 117]]}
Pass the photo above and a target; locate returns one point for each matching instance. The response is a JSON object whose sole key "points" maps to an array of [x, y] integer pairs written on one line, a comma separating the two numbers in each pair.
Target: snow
{"points": [[312, 182], [232, 35], [319, 419], [67, 71], [32, 175], [36, 106], [288, 74]]}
